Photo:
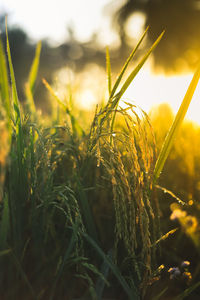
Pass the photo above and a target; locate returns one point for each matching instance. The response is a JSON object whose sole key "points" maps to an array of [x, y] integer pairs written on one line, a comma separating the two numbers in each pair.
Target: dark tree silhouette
{"points": [[180, 47]]}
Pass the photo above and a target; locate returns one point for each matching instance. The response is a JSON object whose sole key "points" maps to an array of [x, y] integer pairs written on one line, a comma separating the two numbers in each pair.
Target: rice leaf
{"points": [[18, 171], [4, 83], [17, 114], [130, 79], [126, 65], [108, 68], [32, 77], [34, 67], [13, 84], [138, 67], [49, 88], [75, 125], [169, 140]]}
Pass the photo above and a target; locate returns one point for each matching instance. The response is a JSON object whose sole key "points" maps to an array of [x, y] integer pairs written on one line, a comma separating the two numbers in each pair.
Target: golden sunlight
{"points": [[149, 89]]}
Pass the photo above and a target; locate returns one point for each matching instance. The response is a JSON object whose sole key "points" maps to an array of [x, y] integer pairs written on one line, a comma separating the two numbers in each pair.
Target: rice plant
{"points": [[79, 206]]}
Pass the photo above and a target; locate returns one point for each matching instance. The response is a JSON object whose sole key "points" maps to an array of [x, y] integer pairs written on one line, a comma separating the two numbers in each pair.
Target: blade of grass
{"points": [[126, 65], [75, 125], [4, 91], [32, 77], [34, 67], [138, 67], [49, 88], [18, 173], [130, 79], [169, 140], [108, 69], [13, 84]]}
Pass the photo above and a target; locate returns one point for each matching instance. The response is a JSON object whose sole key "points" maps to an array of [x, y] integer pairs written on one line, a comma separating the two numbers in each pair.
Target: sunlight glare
{"points": [[149, 89], [87, 87], [87, 98], [50, 19]]}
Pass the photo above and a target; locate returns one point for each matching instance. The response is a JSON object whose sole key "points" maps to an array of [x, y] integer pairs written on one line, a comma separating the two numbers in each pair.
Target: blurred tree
{"points": [[180, 46]]}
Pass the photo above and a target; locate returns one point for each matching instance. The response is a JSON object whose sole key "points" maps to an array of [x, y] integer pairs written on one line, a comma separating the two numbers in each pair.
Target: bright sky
{"points": [[50, 19], [44, 18]]}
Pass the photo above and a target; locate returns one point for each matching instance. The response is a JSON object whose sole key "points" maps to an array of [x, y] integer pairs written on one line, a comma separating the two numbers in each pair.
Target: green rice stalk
{"points": [[34, 68], [76, 128], [18, 168], [30, 86], [4, 91], [119, 78], [129, 163], [14, 88], [131, 77], [169, 140], [108, 113], [138, 67], [108, 69]]}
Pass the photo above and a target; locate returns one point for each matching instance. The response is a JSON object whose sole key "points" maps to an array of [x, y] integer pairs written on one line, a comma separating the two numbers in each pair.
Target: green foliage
{"points": [[4, 91], [30, 86]]}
